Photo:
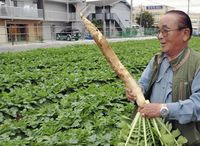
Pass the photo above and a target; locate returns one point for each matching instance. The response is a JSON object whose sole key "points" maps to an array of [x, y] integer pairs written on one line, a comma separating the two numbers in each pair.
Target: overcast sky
{"points": [[178, 4]]}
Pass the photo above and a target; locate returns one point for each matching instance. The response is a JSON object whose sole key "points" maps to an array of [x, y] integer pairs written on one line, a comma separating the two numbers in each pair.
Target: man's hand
{"points": [[150, 110], [130, 94]]}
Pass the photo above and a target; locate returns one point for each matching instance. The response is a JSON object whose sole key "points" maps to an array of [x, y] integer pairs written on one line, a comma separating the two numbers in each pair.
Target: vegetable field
{"points": [[68, 96]]}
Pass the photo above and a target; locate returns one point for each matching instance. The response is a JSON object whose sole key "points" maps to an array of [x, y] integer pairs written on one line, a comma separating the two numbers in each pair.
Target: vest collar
{"points": [[178, 61]]}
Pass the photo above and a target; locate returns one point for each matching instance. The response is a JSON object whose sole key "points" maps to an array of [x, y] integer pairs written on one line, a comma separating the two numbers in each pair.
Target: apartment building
{"points": [[59, 15], [115, 15], [158, 10], [20, 20]]}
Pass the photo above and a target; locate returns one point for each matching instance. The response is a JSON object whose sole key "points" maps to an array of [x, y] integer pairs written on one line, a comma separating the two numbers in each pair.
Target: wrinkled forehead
{"points": [[169, 21]]}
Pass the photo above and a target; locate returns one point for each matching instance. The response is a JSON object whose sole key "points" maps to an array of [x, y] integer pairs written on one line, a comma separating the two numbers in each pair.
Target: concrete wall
{"points": [[51, 6]]}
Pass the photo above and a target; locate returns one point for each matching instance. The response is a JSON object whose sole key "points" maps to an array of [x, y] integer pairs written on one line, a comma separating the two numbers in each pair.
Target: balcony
{"points": [[8, 12], [107, 16], [61, 16]]}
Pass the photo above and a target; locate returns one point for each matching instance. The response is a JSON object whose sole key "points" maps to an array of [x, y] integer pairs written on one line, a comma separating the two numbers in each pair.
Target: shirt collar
{"points": [[180, 59]]}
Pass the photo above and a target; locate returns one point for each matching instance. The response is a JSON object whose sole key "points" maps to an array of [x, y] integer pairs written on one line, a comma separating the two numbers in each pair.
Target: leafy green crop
{"points": [[67, 96]]}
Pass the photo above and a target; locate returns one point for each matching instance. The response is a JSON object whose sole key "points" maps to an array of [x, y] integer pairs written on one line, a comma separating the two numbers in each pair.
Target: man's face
{"points": [[170, 35]]}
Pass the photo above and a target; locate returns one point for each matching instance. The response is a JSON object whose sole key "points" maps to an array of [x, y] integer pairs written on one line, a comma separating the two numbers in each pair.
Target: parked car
{"points": [[88, 36], [68, 34]]}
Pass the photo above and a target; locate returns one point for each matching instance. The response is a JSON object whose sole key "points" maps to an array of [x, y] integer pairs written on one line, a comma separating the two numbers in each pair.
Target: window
{"points": [[15, 3]]}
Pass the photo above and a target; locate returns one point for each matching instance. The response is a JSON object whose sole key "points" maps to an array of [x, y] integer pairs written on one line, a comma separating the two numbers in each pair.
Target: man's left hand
{"points": [[150, 110]]}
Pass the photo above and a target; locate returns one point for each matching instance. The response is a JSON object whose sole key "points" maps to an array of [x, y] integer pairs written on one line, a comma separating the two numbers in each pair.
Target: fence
{"points": [[33, 33]]}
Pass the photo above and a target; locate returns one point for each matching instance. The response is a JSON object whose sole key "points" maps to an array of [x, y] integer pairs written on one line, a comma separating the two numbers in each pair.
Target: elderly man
{"points": [[172, 78]]}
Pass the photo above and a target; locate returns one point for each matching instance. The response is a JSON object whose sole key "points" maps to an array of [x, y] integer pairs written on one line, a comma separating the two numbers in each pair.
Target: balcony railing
{"points": [[20, 13], [61, 16], [108, 16]]}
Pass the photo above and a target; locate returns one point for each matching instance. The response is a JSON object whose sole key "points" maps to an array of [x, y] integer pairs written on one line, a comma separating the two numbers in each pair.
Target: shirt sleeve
{"points": [[187, 110], [145, 77]]}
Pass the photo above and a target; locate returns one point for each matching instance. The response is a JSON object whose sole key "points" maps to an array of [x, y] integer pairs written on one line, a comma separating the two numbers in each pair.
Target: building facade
{"points": [[156, 10], [159, 10], [59, 15]]}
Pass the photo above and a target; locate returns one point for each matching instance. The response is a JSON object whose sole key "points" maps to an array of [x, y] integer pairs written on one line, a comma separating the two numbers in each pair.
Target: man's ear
{"points": [[186, 34]]}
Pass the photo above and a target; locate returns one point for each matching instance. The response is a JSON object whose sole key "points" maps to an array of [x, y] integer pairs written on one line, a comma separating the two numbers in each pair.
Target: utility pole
{"points": [[141, 13], [198, 28], [188, 11], [141, 27], [131, 14]]}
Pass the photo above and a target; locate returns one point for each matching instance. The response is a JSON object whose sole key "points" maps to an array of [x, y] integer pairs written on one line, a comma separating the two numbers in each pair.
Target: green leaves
{"points": [[169, 137], [145, 132]]}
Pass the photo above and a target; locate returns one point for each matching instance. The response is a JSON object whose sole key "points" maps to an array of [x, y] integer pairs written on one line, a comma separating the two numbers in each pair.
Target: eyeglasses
{"points": [[166, 31]]}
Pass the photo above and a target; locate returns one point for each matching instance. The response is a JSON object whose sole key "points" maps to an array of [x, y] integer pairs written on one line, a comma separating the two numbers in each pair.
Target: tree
{"points": [[98, 24], [145, 19]]}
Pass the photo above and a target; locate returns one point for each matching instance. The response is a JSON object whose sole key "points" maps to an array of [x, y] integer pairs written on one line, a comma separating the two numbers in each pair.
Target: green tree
{"points": [[98, 24], [145, 19]]}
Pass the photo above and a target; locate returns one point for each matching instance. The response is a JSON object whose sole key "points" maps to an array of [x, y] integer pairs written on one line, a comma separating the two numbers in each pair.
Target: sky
{"points": [[178, 4]]}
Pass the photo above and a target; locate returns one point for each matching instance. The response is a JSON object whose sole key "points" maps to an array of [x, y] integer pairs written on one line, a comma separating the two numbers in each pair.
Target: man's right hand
{"points": [[130, 94]]}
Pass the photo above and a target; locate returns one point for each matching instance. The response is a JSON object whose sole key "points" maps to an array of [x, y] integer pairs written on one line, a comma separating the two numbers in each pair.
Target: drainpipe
{"points": [[67, 11], [104, 19], [188, 11]]}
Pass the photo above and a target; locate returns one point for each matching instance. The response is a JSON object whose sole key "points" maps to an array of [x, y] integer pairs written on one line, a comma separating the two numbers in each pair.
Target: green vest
{"points": [[185, 68]]}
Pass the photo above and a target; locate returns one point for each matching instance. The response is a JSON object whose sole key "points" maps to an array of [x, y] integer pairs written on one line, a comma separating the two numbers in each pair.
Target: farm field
{"points": [[68, 96]]}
